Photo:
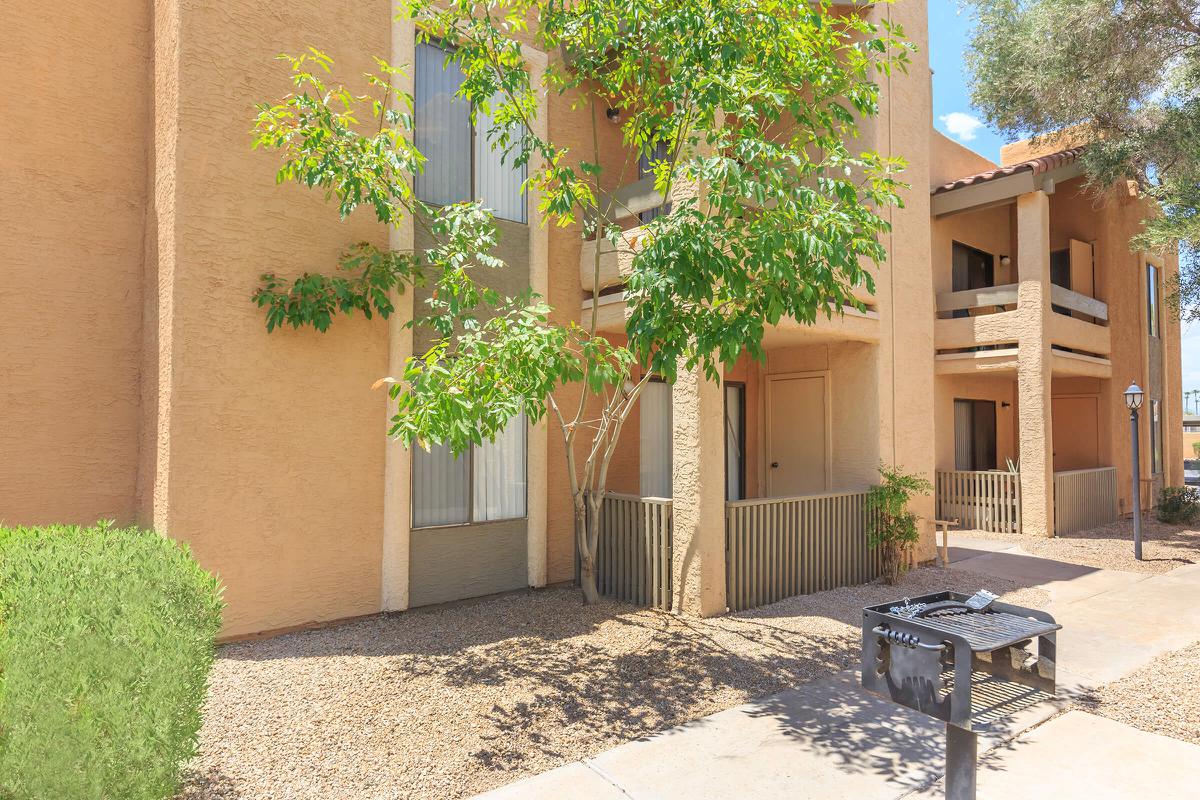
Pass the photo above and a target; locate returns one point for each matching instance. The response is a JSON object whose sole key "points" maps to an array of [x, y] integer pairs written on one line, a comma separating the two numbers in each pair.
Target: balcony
{"points": [[602, 283], [977, 330]]}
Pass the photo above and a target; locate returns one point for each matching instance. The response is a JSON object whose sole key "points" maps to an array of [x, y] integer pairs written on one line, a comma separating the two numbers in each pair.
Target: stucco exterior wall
{"points": [[1000, 389], [74, 217], [272, 462]]}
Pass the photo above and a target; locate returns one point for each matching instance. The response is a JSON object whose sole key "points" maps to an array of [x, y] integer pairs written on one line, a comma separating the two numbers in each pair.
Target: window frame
{"points": [[470, 521], [1156, 437], [740, 434], [441, 45], [1153, 301]]}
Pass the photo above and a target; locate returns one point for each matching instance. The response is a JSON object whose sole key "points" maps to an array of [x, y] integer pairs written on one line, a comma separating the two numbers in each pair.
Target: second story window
{"points": [[460, 164], [1152, 299]]}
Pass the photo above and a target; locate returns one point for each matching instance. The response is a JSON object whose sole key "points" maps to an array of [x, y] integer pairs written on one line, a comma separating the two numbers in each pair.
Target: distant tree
{"points": [[754, 100], [1122, 77]]}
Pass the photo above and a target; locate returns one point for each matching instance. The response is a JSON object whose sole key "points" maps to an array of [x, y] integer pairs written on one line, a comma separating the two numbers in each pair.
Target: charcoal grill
{"points": [[968, 661]]}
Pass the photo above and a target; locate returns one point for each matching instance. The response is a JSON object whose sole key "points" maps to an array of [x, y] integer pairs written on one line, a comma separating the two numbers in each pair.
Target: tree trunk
{"points": [[587, 554]]}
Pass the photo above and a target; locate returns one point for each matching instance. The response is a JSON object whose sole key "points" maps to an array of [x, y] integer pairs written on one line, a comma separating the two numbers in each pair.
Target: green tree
{"points": [[1119, 76], [753, 100], [891, 526]]}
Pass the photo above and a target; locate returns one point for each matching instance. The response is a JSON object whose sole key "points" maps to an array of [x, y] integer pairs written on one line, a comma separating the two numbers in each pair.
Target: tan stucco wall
{"points": [[272, 446], [74, 216], [905, 358], [989, 230], [949, 160], [1000, 389]]}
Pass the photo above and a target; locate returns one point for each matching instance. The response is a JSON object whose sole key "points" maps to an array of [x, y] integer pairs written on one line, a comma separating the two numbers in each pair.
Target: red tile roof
{"points": [[1035, 165]]}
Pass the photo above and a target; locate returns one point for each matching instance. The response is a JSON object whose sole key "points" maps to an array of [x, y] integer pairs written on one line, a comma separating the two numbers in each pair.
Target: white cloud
{"points": [[961, 126]]}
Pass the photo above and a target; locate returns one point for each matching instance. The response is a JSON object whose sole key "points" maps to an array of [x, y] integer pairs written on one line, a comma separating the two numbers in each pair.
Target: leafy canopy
{"points": [[755, 105], [1122, 77]]}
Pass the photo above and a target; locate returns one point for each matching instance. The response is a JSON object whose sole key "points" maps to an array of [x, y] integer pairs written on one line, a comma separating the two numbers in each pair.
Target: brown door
{"points": [[797, 437], [1076, 432]]}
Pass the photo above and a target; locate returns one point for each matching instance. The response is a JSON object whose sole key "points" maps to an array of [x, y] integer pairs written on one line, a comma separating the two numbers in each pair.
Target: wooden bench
{"points": [[942, 555]]}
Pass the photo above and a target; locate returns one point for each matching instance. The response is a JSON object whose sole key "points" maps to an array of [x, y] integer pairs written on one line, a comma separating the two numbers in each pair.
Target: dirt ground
{"points": [[448, 702], [1160, 697], [1164, 547]]}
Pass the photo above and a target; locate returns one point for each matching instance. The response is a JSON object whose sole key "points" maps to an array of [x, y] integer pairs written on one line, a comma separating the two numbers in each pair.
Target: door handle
{"points": [[774, 465]]}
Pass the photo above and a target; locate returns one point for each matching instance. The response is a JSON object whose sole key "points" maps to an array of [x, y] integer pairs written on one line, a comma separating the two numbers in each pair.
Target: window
{"points": [[1152, 310], [1060, 275], [735, 437], [974, 435], [460, 161], [646, 170], [1156, 440], [654, 458], [971, 269], [482, 485]]}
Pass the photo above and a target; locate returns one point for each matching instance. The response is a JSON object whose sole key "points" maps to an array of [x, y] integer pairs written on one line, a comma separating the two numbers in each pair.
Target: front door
{"points": [[797, 436]]}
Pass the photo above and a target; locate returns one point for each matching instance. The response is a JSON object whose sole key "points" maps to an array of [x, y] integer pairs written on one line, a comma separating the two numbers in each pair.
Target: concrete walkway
{"points": [[828, 740]]}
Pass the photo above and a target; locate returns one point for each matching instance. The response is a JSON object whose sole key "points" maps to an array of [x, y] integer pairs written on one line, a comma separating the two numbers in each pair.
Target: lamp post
{"points": [[1133, 401]]}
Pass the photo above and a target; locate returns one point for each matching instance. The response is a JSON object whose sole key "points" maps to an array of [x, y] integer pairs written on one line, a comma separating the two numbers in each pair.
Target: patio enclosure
{"points": [[774, 548], [990, 500]]}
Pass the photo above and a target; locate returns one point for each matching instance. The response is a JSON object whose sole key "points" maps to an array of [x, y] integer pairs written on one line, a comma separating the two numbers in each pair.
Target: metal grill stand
{"points": [[967, 666]]}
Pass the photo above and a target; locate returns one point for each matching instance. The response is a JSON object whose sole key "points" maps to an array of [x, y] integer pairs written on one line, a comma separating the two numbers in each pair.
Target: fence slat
{"points": [[1084, 499], [633, 554], [987, 501], [780, 547]]}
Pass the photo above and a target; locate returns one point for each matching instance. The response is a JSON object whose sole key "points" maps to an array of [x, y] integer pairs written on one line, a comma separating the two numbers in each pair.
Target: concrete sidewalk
{"points": [[829, 740]]}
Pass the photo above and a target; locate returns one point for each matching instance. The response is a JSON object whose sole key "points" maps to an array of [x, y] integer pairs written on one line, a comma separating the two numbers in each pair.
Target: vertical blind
{"points": [[499, 184], [439, 487], [443, 128], [964, 435], [460, 163], [734, 457], [655, 446], [484, 484], [499, 481]]}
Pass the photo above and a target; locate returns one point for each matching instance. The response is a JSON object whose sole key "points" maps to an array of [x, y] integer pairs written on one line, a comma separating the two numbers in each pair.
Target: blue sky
{"points": [[954, 116]]}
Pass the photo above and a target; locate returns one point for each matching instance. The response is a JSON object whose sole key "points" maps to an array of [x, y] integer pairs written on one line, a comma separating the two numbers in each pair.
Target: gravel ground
{"points": [[447, 702], [1164, 547], [1160, 697]]}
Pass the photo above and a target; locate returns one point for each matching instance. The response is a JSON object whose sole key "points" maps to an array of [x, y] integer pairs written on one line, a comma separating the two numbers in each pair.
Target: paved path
{"points": [[828, 740]]}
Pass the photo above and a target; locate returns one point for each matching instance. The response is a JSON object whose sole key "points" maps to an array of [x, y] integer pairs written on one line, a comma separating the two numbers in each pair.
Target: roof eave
{"points": [[1000, 191]]}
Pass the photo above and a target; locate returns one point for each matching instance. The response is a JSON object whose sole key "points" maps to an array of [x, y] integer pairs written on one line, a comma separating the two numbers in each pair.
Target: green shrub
{"points": [[1178, 504], [891, 526], [106, 640]]}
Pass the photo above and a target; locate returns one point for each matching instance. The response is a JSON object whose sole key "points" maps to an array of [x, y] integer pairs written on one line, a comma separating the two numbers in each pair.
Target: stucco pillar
{"points": [[537, 452], [698, 494], [397, 465], [1034, 368]]}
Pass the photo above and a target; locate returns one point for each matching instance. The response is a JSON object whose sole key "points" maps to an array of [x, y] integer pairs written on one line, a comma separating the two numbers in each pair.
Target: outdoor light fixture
{"points": [[1005, 261], [1133, 401], [613, 114], [1133, 397]]}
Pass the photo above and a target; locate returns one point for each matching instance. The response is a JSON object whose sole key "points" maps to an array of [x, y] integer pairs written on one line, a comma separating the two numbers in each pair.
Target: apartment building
{"points": [[139, 383]]}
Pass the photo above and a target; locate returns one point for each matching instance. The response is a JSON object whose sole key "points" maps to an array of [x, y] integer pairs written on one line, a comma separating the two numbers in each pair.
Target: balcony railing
{"points": [[986, 501], [780, 547]]}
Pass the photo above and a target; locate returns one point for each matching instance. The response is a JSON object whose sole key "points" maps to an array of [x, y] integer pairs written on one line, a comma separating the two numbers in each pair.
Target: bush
{"points": [[891, 526], [106, 640], [1178, 504]]}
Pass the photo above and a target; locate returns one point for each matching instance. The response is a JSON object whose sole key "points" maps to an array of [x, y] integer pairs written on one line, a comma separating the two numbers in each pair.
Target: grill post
{"points": [[962, 753]]}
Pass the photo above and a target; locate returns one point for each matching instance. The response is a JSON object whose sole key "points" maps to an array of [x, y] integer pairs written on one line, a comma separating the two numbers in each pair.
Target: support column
{"points": [[537, 453], [397, 464], [698, 495], [1034, 368]]}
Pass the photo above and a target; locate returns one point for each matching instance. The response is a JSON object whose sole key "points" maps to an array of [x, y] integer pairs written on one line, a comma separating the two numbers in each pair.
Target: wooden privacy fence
{"points": [[1084, 499], [986, 501], [633, 556], [780, 547]]}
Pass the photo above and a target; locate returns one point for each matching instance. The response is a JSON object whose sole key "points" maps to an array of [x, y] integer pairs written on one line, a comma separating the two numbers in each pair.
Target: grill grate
{"points": [[988, 630]]}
